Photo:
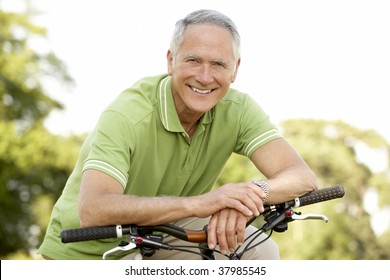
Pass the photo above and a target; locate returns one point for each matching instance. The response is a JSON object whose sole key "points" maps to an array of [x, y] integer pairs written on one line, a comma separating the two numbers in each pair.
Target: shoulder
{"points": [[235, 96], [245, 116], [137, 101], [237, 103]]}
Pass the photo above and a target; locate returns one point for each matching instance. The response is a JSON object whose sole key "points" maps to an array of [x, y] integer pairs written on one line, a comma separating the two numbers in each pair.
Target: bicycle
{"points": [[148, 239]]}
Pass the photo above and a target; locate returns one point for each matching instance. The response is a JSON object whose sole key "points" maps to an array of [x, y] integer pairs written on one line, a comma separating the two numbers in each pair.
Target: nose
{"points": [[205, 75]]}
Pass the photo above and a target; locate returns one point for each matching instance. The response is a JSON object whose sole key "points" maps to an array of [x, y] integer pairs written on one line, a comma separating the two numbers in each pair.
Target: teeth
{"points": [[206, 91]]}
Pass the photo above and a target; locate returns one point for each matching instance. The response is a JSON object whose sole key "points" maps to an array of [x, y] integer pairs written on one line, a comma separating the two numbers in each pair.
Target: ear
{"points": [[170, 62], [236, 70]]}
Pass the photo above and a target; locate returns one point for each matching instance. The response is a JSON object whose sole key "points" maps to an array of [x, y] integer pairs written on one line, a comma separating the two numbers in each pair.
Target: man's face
{"points": [[202, 69]]}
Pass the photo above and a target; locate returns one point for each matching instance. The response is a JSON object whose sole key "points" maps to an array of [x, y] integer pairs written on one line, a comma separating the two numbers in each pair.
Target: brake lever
{"points": [[296, 216], [121, 248]]}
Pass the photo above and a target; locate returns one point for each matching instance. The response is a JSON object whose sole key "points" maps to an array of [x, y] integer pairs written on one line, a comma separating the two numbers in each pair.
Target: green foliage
{"points": [[330, 150], [22, 69], [33, 169], [238, 169], [34, 164], [381, 183]]}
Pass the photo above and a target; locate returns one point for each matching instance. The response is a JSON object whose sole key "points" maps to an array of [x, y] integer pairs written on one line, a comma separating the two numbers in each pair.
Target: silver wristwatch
{"points": [[264, 186]]}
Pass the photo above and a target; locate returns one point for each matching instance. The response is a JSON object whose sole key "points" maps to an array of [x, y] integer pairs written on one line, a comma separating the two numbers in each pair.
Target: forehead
{"points": [[207, 38], [207, 30]]}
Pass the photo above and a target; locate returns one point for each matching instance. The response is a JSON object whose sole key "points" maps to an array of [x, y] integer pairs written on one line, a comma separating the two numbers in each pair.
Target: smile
{"points": [[201, 91]]}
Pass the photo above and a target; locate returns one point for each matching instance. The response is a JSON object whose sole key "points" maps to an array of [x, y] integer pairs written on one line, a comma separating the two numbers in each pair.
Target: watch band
{"points": [[264, 186]]}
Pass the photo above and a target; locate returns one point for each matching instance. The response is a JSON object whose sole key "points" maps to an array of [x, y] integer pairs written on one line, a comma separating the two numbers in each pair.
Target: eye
{"points": [[193, 61], [219, 64]]}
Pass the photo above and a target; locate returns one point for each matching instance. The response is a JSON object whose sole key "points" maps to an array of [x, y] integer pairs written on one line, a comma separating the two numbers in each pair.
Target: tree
{"points": [[330, 148], [33, 169], [22, 70], [34, 164]]}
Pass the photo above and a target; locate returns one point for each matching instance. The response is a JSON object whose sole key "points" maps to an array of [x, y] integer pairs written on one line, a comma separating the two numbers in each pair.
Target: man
{"points": [[158, 148]]}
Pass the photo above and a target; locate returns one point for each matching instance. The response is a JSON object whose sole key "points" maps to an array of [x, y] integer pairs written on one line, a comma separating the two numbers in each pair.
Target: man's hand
{"points": [[227, 229], [230, 207], [245, 197]]}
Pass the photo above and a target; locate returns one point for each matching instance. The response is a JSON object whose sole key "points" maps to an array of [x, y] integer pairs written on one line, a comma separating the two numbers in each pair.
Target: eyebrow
{"points": [[186, 56], [218, 61]]}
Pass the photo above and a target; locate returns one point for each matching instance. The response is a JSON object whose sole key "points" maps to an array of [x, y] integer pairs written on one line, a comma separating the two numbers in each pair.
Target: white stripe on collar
{"points": [[163, 102]]}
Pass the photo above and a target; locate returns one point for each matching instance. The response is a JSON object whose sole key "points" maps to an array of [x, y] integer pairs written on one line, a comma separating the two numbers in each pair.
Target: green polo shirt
{"points": [[140, 142]]}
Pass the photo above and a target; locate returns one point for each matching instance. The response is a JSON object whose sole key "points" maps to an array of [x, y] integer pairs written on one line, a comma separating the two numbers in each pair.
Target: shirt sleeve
{"points": [[256, 128], [110, 147]]}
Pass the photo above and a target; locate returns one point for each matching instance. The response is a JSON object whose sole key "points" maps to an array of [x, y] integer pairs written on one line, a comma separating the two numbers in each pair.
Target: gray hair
{"points": [[202, 17]]}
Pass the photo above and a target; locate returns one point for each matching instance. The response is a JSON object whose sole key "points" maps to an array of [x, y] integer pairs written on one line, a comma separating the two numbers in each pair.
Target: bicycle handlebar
{"points": [[318, 196], [196, 236]]}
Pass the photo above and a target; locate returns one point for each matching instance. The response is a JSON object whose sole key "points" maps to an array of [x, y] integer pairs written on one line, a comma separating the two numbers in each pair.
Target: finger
{"points": [[262, 194], [252, 197], [211, 232], [254, 203], [257, 191], [240, 229], [230, 230], [259, 204], [246, 205], [221, 232]]}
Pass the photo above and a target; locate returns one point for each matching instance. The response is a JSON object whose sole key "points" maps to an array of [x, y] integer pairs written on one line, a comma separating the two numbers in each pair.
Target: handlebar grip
{"points": [[321, 195], [90, 233]]}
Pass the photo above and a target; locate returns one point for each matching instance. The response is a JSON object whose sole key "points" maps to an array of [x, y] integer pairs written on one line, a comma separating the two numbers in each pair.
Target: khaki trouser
{"points": [[265, 251]]}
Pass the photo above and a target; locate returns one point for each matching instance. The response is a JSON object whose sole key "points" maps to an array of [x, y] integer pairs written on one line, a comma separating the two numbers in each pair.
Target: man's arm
{"points": [[288, 177], [102, 202]]}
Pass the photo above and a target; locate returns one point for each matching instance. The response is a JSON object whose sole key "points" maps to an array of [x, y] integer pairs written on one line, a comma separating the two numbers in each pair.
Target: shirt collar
{"points": [[168, 113]]}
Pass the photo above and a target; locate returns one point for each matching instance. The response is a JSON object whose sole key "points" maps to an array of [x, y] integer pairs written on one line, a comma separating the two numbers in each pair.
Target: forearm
{"points": [[102, 202], [291, 183], [124, 209], [288, 174]]}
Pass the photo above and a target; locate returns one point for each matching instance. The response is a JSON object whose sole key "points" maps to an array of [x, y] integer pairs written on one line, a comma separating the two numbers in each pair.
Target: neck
{"points": [[190, 128], [189, 119]]}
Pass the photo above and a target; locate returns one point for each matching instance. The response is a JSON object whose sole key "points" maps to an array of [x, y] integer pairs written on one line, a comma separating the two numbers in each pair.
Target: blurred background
{"points": [[320, 69]]}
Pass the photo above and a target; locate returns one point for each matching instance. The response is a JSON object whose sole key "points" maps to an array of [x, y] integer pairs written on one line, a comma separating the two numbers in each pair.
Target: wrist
{"points": [[264, 187]]}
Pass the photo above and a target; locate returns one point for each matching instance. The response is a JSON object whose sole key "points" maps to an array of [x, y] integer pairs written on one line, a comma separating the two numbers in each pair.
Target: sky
{"points": [[300, 59]]}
